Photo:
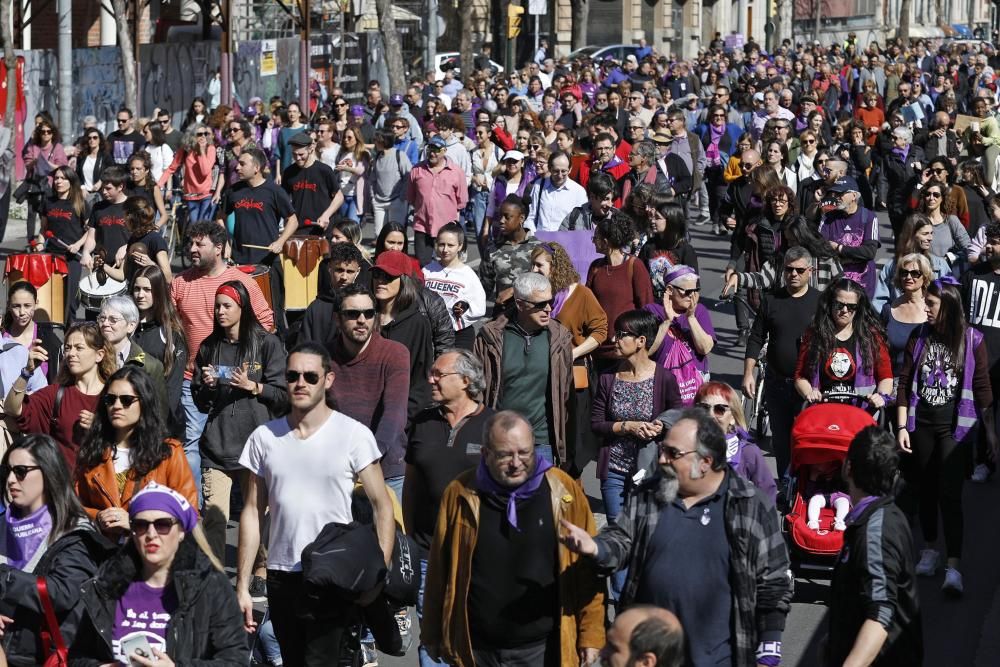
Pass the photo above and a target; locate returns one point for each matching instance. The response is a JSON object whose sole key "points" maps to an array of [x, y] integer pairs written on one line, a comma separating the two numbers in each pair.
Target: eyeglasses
{"points": [[399, 127], [717, 409], [164, 122], [110, 319], [621, 335], [747, 165], [932, 195], [126, 399], [311, 377], [535, 147], [203, 134], [797, 270], [122, 121], [903, 273], [538, 305], [718, 115], [780, 200], [162, 526], [340, 104], [849, 307], [672, 453], [236, 129], [435, 376], [45, 132], [808, 141], [823, 161], [686, 292], [356, 313], [20, 472], [93, 137]]}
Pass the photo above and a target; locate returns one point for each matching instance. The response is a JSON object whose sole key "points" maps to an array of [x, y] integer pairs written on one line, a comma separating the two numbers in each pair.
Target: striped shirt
{"points": [[193, 294]]}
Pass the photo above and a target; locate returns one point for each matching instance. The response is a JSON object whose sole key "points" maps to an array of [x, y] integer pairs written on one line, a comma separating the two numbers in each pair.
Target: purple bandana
{"points": [[25, 536], [164, 499], [487, 484], [679, 271]]}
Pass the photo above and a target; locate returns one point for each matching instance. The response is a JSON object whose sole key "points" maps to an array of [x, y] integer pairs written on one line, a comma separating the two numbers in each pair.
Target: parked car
{"points": [[453, 60], [599, 52]]}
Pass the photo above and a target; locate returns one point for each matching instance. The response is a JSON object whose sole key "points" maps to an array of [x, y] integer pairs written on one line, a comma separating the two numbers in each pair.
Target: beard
{"points": [[666, 491]]}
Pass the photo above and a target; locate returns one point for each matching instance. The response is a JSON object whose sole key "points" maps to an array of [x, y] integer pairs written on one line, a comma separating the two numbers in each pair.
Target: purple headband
{"points": [[946, 280], [678, 272], [164, 499]]}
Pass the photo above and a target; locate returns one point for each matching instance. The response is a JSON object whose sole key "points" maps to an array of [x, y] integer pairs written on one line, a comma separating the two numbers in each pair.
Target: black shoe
{"points": [[258, 589]]}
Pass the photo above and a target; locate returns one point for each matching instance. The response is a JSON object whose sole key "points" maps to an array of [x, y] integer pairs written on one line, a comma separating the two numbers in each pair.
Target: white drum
{"points": [[93, 294]]}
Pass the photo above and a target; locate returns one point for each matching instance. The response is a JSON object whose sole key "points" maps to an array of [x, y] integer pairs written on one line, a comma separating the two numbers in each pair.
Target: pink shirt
{"points": [[198, 175], [436, 198]]}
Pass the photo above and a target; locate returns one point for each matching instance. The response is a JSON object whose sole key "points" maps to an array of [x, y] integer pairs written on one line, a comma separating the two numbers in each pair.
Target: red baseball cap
{"points": [[394, 263]]}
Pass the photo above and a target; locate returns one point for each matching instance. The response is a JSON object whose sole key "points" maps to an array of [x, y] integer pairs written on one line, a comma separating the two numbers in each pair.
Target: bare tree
{"points": [[10, 62], [120, 8], [581, 12], [465, 41], [903, 33], [393, 50], [819, 16]]}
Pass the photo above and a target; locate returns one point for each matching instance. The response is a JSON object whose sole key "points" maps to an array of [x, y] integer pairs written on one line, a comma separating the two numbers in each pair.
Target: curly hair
{"points": [[147, 446], [563, 273], [947, 203], [616, 231], [868, 328], [775, 192]]}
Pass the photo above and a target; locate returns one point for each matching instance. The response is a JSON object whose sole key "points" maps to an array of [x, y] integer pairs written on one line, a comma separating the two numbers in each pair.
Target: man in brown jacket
{"points": [[528, 366], [501, 589]]}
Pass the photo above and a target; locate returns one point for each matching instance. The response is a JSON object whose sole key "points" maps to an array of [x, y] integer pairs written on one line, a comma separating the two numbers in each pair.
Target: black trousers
{"points": [[423, 247], [313, 641], [545, 654], [934, 475]]}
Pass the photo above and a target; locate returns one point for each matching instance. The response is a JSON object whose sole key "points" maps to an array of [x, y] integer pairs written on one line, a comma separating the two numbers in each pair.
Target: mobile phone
{"points": [[224, 374], [137, 644]]}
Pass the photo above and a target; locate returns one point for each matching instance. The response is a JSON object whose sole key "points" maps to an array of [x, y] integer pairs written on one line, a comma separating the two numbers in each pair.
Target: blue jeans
{"points": [[425, 660], [396, 484], [200, 209], [478, 202], [267, 643], [194, 424], [350, 209], [613, 493], [544, 452]]}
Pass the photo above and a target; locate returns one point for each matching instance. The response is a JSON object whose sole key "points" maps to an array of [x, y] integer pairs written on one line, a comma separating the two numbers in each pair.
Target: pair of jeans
{"points": [[200, 209], [350, 209], [396, 484], [194, 425], [390, 211], [613, 489], [310, 641], [425, 659], [478, 202], [267, 643]]}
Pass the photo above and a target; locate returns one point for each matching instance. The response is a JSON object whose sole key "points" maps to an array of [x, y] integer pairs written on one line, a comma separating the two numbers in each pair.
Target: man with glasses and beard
{"points": [[303, 471], [704, 543]]}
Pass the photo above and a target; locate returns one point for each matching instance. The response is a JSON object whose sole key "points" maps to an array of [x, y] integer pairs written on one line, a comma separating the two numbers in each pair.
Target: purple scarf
{"points": [[856, 511], [489, 486], [901, 152], [559, 300], [25, 536]]}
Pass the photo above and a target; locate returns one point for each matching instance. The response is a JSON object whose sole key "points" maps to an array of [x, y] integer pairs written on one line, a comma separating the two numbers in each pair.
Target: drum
{"points": [[47, 273], [300, 263], [262, 276], [93, 293]]}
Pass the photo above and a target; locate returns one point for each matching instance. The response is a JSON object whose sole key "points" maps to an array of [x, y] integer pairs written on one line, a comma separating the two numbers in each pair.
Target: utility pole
{"points": [[304, 56], [224, 55], [432, 35], [64, 10]]}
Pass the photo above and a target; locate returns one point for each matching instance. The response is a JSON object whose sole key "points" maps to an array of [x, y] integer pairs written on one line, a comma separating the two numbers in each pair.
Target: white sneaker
{"points": [[369, 654], [839, 525], [981, 474], [952, 582], [813, 525], [928, 564]]}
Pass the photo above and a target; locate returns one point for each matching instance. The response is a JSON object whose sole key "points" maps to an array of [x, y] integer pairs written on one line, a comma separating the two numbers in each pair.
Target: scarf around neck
{"points": [[486, 484]]}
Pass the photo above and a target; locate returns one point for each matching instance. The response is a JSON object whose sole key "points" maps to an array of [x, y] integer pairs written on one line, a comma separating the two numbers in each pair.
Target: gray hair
{"points": [[123, 305], [796, 253], [190, 141], [646, 149], [468, 366], [904, 133], [710, 441], [526, 284]]}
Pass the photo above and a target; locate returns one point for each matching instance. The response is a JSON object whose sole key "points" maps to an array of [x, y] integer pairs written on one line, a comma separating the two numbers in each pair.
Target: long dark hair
{"points": [[164, 312], [949, 326], [387, 229], [251, 332], [799, 231], [191, 117], [675, 231], [64, 506], [75, 196], [147, 443], [868, 327], [19, 286]]}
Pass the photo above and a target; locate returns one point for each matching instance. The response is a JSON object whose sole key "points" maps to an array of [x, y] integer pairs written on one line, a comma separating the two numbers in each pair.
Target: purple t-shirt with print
{"points": [[143, 610]]}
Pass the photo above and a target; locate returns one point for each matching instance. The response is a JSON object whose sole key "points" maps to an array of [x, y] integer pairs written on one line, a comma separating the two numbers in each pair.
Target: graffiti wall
{"points": [[174, 74], [98, 85], [264, 68]]}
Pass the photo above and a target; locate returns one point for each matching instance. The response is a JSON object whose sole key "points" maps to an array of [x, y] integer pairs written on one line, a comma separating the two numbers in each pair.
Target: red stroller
{"points": [[821, 434]]}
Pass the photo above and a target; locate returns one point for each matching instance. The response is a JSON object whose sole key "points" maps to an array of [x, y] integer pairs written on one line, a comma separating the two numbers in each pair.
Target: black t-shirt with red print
{"points": [[110, 232], [258, 212], [311, 188], [63, 222]]}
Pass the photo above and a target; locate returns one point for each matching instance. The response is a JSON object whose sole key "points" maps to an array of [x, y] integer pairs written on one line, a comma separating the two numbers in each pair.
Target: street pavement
{"points": [[956, 632]]}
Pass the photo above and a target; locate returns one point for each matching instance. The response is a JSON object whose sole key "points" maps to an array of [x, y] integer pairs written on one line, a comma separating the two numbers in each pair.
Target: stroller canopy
{"points": [[823, 432]]}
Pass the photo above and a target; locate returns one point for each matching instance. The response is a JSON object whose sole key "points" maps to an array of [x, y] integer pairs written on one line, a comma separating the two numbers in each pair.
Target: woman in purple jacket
{"points": [[624, 412], [726, 407]]}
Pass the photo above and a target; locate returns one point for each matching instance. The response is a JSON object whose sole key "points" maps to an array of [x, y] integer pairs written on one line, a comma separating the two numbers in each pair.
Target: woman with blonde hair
{"points": [[201, 186], [911, 275]]}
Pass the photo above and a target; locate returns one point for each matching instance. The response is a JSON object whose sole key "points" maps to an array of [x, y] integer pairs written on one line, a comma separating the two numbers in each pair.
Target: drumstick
{"points": [[256, 247]]}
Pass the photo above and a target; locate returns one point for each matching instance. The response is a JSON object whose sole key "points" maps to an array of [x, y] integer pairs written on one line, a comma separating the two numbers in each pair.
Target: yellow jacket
{"points": [[445, 626]]}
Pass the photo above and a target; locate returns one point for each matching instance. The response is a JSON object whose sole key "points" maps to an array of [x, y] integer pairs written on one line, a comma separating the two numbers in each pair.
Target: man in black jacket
{"points": [[874, 613]]}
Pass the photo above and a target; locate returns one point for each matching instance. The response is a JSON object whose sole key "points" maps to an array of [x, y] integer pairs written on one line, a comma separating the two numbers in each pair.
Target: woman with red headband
{"points": [[239, 384]]}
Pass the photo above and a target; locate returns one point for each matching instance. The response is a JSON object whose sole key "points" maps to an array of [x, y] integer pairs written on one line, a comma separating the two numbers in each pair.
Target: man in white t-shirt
{"points": [[304, 468]]}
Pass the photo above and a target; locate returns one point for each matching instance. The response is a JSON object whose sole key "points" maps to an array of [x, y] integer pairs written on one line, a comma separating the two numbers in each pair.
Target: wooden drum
{"points": [[48, 275], [262, 276], [300, 263]]}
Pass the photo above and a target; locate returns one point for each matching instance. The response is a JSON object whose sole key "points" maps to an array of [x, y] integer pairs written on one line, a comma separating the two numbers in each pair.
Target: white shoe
{"points": [[981, 474], [813, 525], [928, 564], [952, 582], [839, 525]]}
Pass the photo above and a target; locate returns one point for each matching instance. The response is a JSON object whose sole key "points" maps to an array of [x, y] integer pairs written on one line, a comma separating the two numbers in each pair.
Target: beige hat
{"points": [[662, 137]]}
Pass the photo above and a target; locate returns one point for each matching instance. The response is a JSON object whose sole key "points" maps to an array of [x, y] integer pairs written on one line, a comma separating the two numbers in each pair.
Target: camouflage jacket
{"points": [[506, 262]]}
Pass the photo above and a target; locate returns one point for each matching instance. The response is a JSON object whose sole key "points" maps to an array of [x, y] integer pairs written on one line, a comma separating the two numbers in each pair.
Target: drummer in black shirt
{"points": [[106, 229], [63, 216], [259, 206], [313, 186], [145, 246]]}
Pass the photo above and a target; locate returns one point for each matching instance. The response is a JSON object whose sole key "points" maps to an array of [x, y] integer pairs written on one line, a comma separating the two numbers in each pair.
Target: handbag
{"points": [[679, 360], [53, 647]]}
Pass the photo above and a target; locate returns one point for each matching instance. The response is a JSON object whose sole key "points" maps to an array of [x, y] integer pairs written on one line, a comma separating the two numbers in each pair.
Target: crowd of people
{"points": [[432, 417]]}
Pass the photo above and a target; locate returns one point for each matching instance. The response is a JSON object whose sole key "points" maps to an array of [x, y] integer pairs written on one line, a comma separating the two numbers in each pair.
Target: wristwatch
{"points": [[26, 374]]}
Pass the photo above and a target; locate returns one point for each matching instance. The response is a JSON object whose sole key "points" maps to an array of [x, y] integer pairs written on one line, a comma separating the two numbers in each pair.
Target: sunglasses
{"points": [[45, 132], [127, 400], [849, 307], [382, 276], [672, 453], [539, 305], [203, 134], [718, 115], [932, 195], [747, 165], [311, 377], [621, 335], [903, 273], [356, 313], [163, 122], [122, 121], [797, 270], [717, 409], [687, 292], [20, 472], [938, 171], [162, 526], [808, 141], [93, 137]]}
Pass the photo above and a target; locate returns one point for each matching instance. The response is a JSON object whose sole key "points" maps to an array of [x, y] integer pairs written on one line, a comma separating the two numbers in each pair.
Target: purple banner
{"points": [[579, 246]]}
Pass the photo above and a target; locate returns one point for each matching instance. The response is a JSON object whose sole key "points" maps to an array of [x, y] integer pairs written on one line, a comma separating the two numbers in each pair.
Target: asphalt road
{"points": [[956, 632]]}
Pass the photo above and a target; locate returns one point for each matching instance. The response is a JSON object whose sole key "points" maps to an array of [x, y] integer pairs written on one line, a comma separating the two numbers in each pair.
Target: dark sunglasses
{"points": [[203, 134], [379, 274], [903, 273], [20, 472], [849, 307], [127, 400], [355, 313], [539, 305], [747, 165], [938, 171], [122, 121], [311, 377], [717, 409], [797, 270], [162, 526], [808, 141], [935, 195], [687, 292], [621, 335]]}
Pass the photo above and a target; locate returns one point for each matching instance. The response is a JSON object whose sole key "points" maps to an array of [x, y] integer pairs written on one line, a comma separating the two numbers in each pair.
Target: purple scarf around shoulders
{"points": [[486, 484]]}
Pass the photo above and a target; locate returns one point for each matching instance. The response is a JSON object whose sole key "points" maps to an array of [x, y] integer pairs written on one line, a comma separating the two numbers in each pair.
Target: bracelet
{"points": [[26, 374], [900, 427]]}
